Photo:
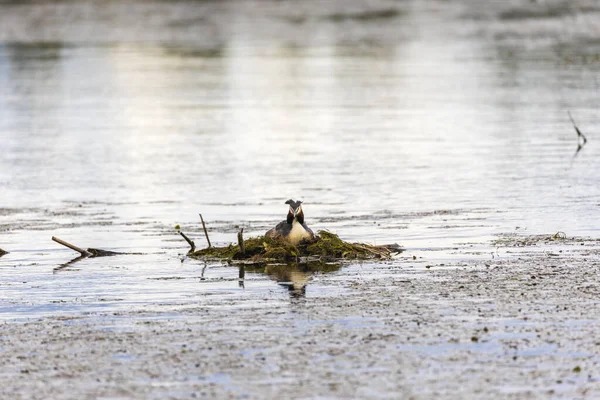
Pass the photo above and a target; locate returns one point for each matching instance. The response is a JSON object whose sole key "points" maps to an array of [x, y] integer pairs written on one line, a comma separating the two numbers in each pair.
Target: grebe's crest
{"points": [[295, 206]]}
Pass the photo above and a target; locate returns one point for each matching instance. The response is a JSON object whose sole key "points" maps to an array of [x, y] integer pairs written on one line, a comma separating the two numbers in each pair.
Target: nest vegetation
{"points": [[326, 247]]}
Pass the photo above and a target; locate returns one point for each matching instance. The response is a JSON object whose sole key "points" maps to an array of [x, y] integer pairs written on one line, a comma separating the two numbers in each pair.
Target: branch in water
{"points": [[89, 252], [81, 251], [190, 242], [579, 135], [240, 237], [205, 231]]}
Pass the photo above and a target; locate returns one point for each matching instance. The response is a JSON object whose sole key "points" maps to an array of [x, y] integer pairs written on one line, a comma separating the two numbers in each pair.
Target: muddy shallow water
{"points": [[434, 125]]}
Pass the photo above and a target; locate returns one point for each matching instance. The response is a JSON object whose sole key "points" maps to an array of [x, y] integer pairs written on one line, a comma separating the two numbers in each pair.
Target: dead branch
{"points": [[105, 253], [190, 242], [81, 251], [205, 231], [89, 252], [240, 237], [579, 135]]}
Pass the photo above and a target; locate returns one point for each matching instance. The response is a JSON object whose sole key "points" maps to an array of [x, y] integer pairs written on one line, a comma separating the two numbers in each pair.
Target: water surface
{"points": [[428, 124]]}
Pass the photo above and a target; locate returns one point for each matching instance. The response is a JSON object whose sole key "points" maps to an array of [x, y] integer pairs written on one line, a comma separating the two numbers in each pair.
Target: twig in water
{"points": [[84, 253], [579, 135], [190, 242], [89, 252], [240, 236], [205, 231]]}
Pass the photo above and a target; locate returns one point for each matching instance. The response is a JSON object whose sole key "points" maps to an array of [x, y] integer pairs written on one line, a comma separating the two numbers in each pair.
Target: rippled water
{"points": [[427, 124]]}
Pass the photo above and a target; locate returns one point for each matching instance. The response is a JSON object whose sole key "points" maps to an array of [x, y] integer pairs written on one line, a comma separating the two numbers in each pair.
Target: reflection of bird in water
{"points": [[290, 277], [293, 229]]}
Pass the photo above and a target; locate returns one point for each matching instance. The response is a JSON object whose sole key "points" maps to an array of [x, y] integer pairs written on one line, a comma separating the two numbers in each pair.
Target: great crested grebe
{"points": [[293, 229]]}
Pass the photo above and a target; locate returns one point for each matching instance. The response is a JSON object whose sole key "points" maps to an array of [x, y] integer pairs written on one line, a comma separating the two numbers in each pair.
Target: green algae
{"points": [[327, 246], [330, 246], [261, 248]]}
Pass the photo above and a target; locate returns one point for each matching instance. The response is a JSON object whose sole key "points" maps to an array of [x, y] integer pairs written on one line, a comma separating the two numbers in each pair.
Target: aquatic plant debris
{"points": [[89, 253], [559, 235], [327, 246]]}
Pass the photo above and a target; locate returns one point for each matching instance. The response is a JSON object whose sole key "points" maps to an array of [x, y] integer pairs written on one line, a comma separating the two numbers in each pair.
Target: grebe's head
{"points": [[295, 211]]}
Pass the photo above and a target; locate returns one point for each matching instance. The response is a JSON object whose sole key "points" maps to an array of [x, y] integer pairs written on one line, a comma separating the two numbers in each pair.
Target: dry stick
{"points": [[205, 231], [83, 252], [241, 241], [579, 134], [190, 242]]}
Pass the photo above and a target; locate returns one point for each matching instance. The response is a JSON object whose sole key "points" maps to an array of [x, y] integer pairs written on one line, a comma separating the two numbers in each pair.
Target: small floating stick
{"points": [[81, 251], [205, 231], [240, 236], [579, 135], [190, 242]]}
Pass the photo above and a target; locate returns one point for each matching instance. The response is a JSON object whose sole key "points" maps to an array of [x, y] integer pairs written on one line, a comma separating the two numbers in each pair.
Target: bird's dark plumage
{"points": [[293, 229]]}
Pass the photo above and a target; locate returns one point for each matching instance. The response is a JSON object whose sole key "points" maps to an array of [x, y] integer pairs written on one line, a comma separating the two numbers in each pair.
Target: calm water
{"points": [[427, 124]]}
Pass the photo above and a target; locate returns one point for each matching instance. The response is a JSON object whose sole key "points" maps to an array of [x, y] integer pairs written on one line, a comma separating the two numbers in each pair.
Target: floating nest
{"points": [[327, 247]]}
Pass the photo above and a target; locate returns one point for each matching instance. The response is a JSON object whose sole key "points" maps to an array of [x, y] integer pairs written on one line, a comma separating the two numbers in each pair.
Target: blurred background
{"points": [[427, 123]]}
